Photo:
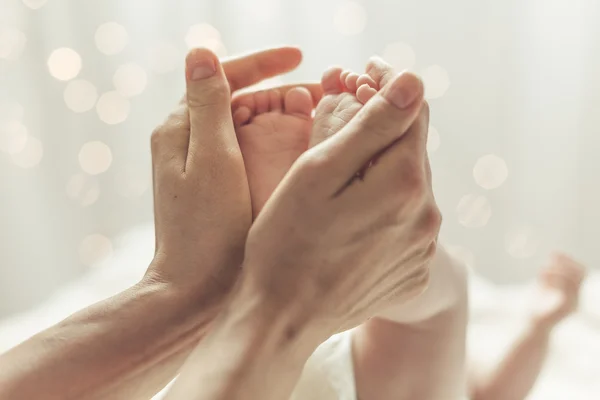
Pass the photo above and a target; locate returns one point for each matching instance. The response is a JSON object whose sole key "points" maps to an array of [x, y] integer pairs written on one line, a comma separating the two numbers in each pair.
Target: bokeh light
{"points": [[64, 64], [31, 154], [111, 38], [12, 43], [433, 140], [13, 137], [112, 108], [522, 242], [83, 189], [400, 55], [164, 57], [350, 18], [80, 95], [490, 171], [95, 158], [130, 80], [474, 211], [95, 249], [436, 81]]}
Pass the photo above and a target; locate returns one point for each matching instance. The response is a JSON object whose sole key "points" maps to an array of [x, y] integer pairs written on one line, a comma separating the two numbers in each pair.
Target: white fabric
{"points": [[572, 371], [329, 373]]}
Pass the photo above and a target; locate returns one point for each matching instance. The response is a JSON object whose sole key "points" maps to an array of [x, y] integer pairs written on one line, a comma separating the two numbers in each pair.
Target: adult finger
{"points": [[209, 104], [247, 70], [401, 172], [408, 151]]}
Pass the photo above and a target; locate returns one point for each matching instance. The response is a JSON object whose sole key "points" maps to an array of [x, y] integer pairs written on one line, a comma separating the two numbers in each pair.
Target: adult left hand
{"points": [[202, 204]]}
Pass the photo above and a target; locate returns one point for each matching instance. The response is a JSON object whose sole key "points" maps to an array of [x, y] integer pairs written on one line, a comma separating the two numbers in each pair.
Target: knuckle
{"points": [[427, 228], [432, 220]]}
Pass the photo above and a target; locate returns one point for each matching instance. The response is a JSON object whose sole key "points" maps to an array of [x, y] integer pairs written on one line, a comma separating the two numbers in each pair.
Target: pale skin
{"points": [[399, 355], [557, 295], [292, 297], [158, 295], [131, 345], [139, 375]]}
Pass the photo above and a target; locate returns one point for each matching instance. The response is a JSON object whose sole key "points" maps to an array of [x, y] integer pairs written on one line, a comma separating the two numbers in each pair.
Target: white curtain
{"points": [[513, 87]]}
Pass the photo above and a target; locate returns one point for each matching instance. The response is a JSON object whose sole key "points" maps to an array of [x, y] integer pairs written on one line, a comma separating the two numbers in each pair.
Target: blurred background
{"points": [[513, 87]]}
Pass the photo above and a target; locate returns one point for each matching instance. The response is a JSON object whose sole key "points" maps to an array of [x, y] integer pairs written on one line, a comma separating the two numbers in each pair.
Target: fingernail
{"points": [[405, 91], [202, 69]]}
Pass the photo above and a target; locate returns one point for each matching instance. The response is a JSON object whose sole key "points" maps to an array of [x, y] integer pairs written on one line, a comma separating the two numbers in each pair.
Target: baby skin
{"points": [[556, 297], [273, 129], [557, 291]]}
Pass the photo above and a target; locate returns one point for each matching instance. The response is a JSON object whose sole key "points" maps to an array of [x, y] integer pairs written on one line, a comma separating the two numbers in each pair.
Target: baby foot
{"points": [[273, 131], [557, 293], [345, 93]]}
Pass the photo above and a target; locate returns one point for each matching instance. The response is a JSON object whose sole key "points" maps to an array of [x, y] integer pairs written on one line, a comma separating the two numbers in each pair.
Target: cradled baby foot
{"points": [[345, 93], [273, 130]]}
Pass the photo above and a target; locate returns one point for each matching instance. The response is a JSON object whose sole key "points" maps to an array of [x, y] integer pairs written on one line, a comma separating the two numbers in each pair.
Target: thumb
{"points": [[209, 104]]}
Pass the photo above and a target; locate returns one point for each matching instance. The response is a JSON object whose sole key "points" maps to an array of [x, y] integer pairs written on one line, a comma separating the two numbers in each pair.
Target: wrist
{"points": [[189, 288], [286, 320], [266, 346], [120, 340], [189, 313]]}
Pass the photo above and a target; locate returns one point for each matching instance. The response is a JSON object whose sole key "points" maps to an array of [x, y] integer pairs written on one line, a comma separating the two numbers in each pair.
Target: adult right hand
{"points": [[326, 252], [348, 248], [201, 197]]}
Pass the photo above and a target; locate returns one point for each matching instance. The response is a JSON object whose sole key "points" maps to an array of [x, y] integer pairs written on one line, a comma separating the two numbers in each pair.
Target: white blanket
{"points": [[572, 371]]}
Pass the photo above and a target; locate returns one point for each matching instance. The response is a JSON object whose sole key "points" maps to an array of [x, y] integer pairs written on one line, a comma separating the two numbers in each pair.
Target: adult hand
{"points": [[202, 205], [347, 248], [327, 251], [132, 344]]}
